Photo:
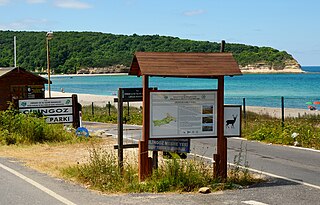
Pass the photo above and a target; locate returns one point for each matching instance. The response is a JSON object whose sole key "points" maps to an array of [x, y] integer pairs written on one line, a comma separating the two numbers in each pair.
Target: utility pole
{"points": [[15, 50]]}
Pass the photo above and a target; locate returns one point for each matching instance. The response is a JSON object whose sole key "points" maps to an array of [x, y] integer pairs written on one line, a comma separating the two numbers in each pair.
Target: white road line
{"points": [[39, 186], [264, 173], [293, 147], [281, 177], [251, 202]]}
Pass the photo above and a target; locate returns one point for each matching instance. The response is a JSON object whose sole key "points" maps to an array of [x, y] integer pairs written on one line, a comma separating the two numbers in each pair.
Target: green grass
{"points": [[102, 173], [17, 128], [101, 114], [271, 130]]}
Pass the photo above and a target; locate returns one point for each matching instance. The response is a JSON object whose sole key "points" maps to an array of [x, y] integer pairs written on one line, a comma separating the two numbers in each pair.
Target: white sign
{"points": [[47, 102], [59, 119], [232, 116], [56, 110], [48, 110], [183, 114]]}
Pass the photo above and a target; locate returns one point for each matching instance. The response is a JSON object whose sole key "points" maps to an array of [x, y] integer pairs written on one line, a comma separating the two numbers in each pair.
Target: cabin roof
{"points": [[170, 64], [5, 71]]}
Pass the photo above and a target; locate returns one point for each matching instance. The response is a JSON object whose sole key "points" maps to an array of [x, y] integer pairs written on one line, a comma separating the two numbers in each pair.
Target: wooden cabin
{"points": [[18, 83]]}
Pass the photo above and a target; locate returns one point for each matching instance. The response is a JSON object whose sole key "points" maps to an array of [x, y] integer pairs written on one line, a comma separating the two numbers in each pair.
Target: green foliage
{"points": [[101, 114], [102, 173], [73, 50], [271, 130], [17, 128]]}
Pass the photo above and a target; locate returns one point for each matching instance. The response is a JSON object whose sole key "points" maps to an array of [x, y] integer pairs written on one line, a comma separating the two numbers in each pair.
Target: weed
{"points": [[268, 129], [174, 175], [18, 128]]}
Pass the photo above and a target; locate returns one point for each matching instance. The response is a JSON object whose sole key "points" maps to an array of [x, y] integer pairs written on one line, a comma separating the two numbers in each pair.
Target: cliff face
{"points": [[110, 69], [290, 66]]}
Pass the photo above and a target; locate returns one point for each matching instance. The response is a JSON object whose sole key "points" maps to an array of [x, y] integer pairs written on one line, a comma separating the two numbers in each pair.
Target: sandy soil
{"points": [[50, 159]]}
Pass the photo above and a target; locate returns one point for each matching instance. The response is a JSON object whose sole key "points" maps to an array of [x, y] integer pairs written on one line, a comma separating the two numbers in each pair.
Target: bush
{"points": [[272, 130], [102, 173], [18, 128], [101, 114]]}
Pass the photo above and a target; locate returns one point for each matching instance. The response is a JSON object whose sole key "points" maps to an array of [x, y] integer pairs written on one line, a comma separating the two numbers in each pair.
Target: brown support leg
{"points": [[143, 144], [221, 164], [143, 161]]}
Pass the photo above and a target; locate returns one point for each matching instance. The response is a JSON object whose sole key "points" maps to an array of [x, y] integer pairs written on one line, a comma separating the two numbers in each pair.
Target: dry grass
{"points": [[51, 158]]}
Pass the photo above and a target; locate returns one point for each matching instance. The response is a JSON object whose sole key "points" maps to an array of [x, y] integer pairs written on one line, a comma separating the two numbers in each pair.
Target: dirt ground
{"points": [[50, 159]]}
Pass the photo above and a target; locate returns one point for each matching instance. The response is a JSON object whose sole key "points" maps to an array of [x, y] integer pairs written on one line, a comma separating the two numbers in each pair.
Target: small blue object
{"points": [[82, 132]]}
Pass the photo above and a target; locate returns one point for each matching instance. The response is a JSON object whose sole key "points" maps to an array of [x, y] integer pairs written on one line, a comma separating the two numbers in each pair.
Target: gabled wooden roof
{"points": [[202, 65], [6, 71], [3, 71]]}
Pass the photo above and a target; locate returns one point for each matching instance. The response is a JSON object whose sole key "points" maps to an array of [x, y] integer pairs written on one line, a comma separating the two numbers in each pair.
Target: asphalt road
{"points": [[21, 185]]}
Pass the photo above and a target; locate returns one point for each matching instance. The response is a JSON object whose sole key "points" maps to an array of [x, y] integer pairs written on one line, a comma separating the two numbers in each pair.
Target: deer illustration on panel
{"points": [[231, 122]]}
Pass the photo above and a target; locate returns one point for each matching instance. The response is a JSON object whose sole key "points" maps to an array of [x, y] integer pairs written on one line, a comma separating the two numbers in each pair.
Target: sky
{"points": [[286, 25]]}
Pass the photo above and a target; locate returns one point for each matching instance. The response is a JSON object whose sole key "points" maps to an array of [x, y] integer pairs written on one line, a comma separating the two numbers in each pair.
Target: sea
{"points": [[298, 89]]}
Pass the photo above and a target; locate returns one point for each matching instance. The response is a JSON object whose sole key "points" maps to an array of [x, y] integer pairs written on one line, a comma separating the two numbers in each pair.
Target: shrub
{"points": [[102, 172], [18, 128], [268, 129]]}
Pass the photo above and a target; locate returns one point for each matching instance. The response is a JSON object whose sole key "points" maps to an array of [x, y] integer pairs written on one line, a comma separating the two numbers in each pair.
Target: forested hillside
{"points": [[70, 51]]}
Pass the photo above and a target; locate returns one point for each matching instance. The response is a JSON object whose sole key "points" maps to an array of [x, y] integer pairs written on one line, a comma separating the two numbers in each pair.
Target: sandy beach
{"points": [[102, 100], [88, 99]]}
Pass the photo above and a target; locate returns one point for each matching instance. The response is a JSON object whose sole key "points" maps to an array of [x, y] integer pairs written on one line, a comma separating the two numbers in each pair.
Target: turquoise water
{"points": [[257, 89]]}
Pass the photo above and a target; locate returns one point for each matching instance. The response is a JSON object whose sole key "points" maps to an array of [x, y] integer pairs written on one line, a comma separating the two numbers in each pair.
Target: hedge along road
{"points": [[297, 165]]}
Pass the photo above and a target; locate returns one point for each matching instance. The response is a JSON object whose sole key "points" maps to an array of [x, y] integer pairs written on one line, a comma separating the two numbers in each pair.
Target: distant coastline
{"points": [[252, 71], [268, 71], [91, 74]]}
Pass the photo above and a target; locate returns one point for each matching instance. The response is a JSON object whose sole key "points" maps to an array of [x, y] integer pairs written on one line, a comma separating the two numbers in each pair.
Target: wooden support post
{"points": [[75, 111], [221, 164], [155, 159], [92, 109], [143, 144], [282, 111], [120, 129], [128, 109], [244, 110], [109, 108]]}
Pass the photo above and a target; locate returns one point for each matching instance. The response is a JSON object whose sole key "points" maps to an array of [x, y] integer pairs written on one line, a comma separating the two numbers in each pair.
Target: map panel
{"points": [[183, 114]]}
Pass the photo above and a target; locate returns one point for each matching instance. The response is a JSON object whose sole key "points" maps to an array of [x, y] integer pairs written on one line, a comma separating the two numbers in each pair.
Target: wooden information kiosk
{"points": [[185, 65]]}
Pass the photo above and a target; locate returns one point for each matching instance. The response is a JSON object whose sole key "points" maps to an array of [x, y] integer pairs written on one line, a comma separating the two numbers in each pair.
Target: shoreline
{"points": [[102, 101], [267, 71], [253, 71], [85, 75]]}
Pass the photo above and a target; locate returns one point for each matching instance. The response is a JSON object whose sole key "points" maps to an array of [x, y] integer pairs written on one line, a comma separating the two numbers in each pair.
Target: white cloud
{"points": [[25, 24], [194, 12], [36, 1], [72, 4], [3, 2]]}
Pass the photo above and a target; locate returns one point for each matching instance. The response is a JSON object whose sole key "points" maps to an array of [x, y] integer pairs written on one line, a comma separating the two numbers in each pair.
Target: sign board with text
{"points": [[170, 145], [131, 94], [56, 110], [183, 114]]}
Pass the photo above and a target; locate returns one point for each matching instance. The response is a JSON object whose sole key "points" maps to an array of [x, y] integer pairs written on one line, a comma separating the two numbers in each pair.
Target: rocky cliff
{"points": [[110, 69], [290, 66]]}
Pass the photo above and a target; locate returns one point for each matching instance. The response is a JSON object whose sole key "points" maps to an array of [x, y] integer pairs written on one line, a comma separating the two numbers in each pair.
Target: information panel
{"points": [[56, 110], [183, 114]]}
